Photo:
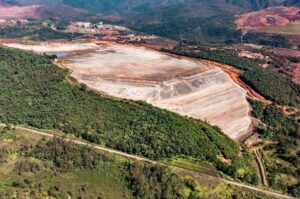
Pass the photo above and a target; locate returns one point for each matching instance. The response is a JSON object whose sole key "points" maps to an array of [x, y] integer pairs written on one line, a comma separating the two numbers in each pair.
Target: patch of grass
{"points": [[13, 156], [219, 191], [250, 194], [33, 159], [7, 136], [289, 29], [3, 187], [106, 181], [30, 42], [193, 165]]}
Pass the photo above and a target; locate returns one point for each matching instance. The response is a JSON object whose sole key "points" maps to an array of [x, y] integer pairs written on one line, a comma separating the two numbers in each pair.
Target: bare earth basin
{"points": [[188, 87]]}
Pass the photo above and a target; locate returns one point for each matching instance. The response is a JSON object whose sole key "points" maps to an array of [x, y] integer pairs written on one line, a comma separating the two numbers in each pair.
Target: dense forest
{"points": [[196, 30], [283, 90], [266, 40], [35, 92], [43, 33], [216, 30]]}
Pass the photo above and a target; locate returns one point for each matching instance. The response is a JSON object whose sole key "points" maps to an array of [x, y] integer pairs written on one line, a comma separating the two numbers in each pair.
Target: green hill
{"points": [[35, 92]]}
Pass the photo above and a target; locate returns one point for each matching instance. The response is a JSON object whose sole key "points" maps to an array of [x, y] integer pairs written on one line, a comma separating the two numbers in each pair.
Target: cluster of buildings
{"points": [[111, 32], [90, 27], [138, 38], [85, 25], [127, 38]]}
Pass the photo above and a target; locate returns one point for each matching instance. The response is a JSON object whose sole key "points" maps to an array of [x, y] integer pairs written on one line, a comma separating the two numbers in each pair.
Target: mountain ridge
{"points": [[147, 5], [195, 21]]}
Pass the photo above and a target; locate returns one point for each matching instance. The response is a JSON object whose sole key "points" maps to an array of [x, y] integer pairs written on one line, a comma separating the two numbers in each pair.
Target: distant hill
{"points": [[272, 17], [123, 6], [196, 21], [35, 9], [146, 5], [292, 3]]}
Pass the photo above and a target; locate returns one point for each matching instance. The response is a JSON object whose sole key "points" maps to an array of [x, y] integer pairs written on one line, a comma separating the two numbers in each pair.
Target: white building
{"points": [[100, 24]]}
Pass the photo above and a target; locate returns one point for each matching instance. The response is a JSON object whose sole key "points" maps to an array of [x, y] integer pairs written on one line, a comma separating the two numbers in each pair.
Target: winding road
{"points": [[135, 157]]}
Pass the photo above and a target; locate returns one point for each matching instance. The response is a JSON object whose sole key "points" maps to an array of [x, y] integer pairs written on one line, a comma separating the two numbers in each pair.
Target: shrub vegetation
{"points": [[43, 33], [54, 168]]}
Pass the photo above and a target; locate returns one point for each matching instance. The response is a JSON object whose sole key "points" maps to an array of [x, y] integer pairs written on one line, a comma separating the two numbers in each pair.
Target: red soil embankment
{"points": [[274, 16]]}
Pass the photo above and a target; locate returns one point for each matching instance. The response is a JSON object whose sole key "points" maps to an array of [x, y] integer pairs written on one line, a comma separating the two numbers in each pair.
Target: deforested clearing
{"points": [[188, 87]]}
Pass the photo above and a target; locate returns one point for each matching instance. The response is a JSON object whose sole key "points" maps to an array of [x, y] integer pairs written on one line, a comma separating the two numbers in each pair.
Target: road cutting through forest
{"points": [[138, 158]]}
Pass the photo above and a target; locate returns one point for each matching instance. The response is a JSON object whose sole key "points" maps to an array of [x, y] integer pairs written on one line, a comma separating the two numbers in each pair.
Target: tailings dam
{"points": [[185, 86]]}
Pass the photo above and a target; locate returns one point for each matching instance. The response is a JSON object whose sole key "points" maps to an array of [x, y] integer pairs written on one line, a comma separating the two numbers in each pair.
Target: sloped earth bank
{"points": [[270, 17], [185, 86]]}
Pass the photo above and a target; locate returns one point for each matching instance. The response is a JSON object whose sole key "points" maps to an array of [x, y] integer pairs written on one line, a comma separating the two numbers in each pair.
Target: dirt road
{"points": [[261, 168], [135, 157]]}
